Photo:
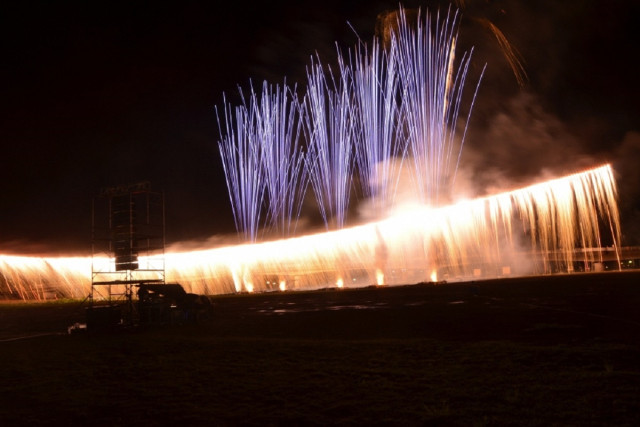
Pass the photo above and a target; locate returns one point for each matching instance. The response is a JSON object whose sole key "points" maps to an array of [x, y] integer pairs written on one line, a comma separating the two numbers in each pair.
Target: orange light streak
{"points": [[483, 237]]}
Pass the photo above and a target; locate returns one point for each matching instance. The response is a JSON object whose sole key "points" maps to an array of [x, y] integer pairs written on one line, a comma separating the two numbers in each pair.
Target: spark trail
{"points": [[378, 147], [241, 160], [543, 228], [430, 98], [329, 129], [383, 109]]}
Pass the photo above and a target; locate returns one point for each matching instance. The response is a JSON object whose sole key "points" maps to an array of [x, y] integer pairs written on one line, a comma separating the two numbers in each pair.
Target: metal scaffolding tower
{"points": [[128, 228]]}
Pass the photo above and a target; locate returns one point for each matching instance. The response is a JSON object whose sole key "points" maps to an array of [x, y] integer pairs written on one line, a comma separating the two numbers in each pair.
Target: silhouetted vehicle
{"points": [[169, 303]]}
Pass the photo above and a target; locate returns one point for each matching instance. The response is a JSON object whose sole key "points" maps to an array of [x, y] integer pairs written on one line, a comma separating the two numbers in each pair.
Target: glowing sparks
{"points": [[385, 112], [35, 278], [484, 237], [481, 237], [379, 109], [398, 109], [379, 277], [434, 276]]}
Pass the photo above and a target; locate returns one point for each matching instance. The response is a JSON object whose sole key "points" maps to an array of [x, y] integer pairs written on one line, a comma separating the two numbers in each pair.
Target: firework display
{"points": [[548, 227], [544, 228], [387, 117], [385, 109]]}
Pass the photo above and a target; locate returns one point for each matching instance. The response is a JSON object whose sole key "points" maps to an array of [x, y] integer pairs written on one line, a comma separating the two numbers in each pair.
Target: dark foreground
{"points": [[561, 350]]}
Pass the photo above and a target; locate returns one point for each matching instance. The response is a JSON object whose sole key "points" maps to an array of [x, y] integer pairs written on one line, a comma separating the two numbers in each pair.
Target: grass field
{"points": [[539, 351]]}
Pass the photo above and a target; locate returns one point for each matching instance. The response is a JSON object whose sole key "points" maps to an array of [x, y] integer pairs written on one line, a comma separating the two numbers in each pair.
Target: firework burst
{"points": [[385, 109]]}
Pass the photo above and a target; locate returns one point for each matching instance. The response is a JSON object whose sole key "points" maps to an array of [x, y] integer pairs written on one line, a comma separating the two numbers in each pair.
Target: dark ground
{"points": [[554, 350]]}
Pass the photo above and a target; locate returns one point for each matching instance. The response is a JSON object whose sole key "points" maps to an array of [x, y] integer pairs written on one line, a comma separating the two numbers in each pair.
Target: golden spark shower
{"points": [[389, 120]]}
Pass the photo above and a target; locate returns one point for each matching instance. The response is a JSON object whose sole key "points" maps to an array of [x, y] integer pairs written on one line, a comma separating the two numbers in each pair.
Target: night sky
{"points": [[96, 94]]}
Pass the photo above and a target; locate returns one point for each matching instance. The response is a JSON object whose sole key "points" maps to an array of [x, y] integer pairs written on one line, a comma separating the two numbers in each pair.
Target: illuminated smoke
{"points": [[560, 218], [479, 238], [381, 108], [431, 89], [553, 224], [378, 144]]}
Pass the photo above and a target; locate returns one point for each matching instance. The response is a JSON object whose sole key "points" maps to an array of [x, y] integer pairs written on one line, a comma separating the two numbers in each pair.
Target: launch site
{"points": [[422, 221]]}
